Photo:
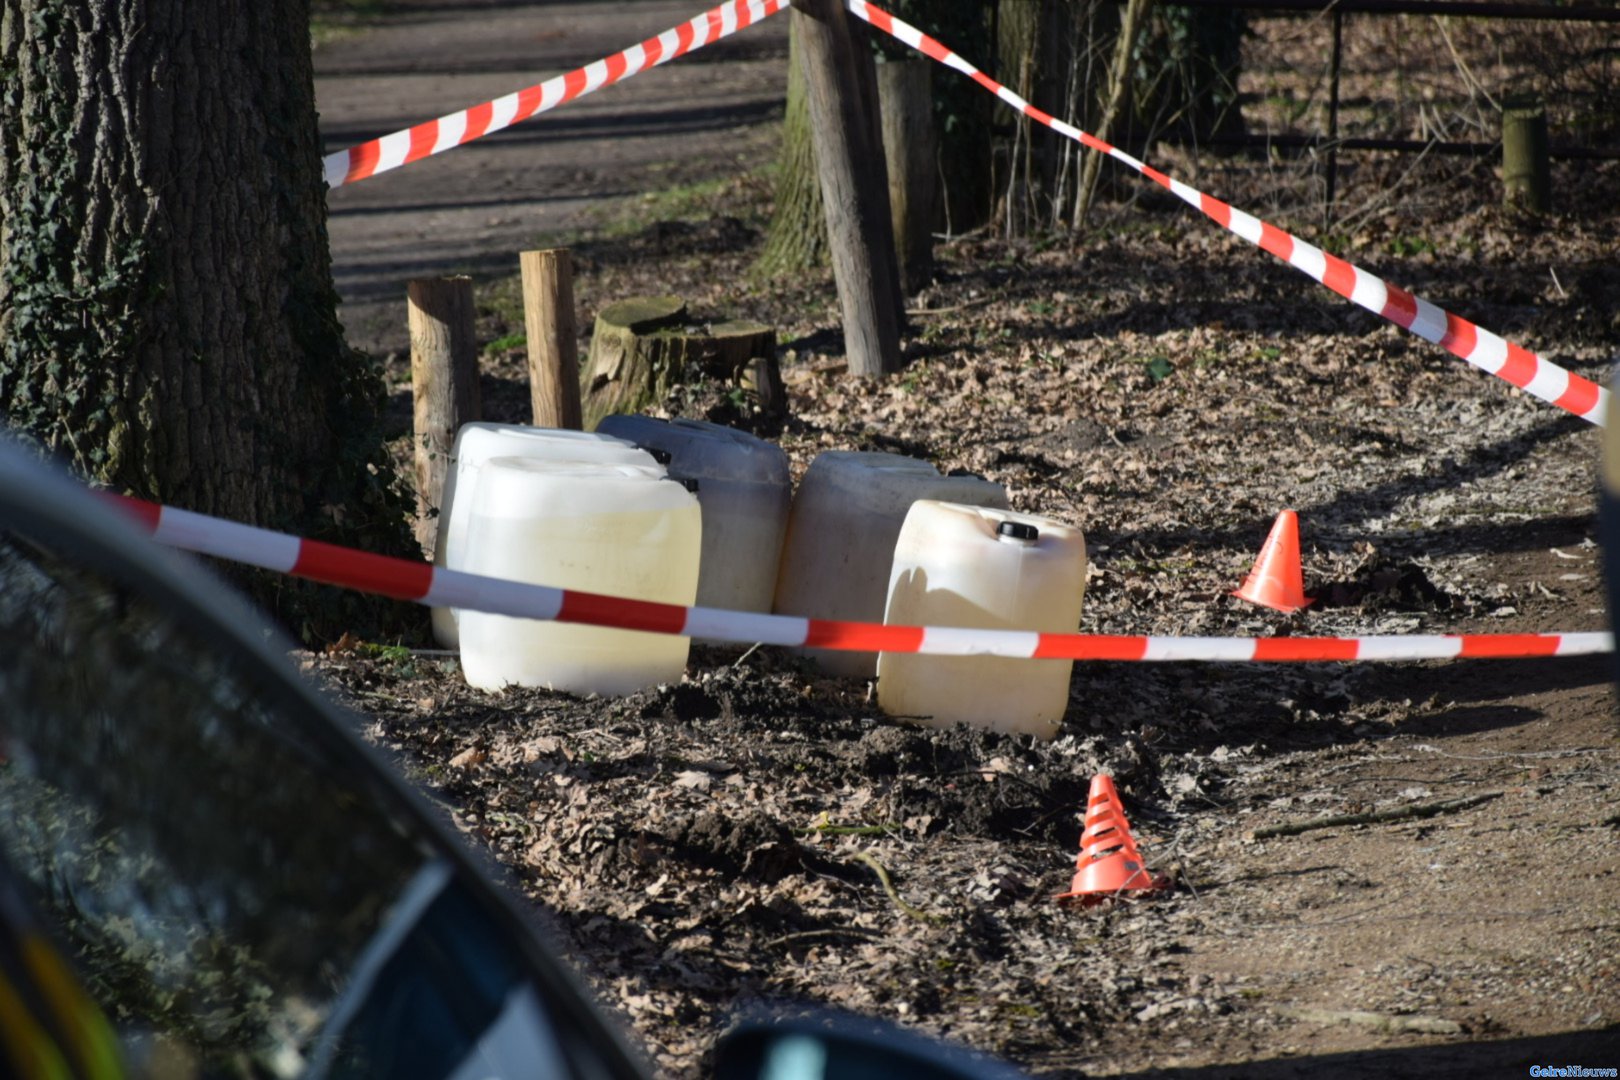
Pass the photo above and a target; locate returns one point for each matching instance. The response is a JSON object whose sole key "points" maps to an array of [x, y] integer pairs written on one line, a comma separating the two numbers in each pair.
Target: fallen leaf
{"points": [[695, 779], [345, 644], [469, 757]]}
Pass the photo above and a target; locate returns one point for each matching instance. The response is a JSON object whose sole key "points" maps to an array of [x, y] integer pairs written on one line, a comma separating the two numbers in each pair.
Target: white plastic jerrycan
{"points": [[624, 530], [478, 442], [972, 566], [745, 489], [845, 520]]}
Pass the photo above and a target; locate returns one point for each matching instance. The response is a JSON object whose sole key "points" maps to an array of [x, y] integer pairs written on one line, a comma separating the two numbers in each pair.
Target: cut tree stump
{"points": [[645, 346]]}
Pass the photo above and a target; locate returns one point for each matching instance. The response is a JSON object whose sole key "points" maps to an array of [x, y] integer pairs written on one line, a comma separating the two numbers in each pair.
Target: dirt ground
{"points": [[702, 846]]}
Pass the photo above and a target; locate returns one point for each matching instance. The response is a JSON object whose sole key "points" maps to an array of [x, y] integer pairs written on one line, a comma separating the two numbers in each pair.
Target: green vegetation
{"points": [[393, 654], [330, 20], [506, 343]]}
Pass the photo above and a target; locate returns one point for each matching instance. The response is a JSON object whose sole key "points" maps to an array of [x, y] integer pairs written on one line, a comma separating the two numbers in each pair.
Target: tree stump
{"points": [[644, 347]]}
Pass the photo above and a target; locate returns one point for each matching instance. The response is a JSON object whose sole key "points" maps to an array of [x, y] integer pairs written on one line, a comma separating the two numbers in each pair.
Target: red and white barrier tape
{"points": [[1480, 347], [424, 583], [1472, 343], [436, 136]]}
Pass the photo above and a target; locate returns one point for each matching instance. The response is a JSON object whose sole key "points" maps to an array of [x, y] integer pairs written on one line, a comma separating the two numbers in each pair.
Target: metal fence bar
{"points": [[1484, 9], [1407, 146]]}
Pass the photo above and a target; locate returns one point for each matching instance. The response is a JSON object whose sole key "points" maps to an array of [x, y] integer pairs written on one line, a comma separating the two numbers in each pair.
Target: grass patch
{"points": [[331, 20], [510, 341]]}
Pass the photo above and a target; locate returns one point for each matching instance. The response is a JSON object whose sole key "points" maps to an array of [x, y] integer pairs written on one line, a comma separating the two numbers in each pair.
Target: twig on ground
{"points": [[1559, 285], [869, 860], [809, 935], [1377, 817], [847, 830]]}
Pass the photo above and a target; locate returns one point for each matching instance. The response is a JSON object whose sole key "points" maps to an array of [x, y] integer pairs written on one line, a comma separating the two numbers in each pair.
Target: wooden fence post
{"points": [[854, 189], [1526, 171], [905, 91], [444, 385], [548, 317]]}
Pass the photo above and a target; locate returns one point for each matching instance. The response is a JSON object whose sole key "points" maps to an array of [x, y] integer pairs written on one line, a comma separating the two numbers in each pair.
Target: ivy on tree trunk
{"points": [[797, 237], [167, 314]]}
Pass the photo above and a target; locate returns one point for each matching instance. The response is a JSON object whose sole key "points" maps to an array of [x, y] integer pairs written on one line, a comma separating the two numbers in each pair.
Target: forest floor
{"points": [[1168, 388]]}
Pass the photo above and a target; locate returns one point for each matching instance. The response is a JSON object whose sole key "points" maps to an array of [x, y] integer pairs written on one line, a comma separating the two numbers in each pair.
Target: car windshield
{"points": [[237, 903]]}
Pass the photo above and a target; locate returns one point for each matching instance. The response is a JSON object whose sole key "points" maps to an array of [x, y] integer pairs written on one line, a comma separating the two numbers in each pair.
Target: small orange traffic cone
{"points": [[1276, 580], [1109, 862]]}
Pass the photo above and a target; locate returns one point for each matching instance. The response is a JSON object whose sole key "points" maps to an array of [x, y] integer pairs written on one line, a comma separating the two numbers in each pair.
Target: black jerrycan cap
{"points": [[688, 482], [663, 457], [1018, 530]]}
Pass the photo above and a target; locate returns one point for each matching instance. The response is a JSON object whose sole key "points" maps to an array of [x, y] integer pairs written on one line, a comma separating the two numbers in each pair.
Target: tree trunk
{"points": [[797, 237], [167, 313], [904, 94], [963, 112], [842, 90]]}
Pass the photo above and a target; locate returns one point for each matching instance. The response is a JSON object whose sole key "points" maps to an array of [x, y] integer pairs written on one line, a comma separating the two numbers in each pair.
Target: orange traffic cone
{"points": [[1109, 862], [1276, 580]]}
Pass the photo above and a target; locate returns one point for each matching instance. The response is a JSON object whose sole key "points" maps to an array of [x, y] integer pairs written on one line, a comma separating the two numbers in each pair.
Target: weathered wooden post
{"points": [[905, 92], [444, 385], [1526, 173], [854, 189], [548, 318]]}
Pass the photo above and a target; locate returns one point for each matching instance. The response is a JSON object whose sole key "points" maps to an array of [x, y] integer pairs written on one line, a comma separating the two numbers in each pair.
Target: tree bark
{"points": [[167, 313], [854, 187], [797, 237], [908, 149], [962, 111]]}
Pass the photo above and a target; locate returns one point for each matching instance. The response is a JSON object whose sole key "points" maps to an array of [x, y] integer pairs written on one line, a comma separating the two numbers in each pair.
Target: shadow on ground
{"points": [[1599, 1048]]}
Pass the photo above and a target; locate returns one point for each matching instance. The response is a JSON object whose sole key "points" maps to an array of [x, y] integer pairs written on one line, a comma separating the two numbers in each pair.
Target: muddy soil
{"points": [[759, 832]]}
